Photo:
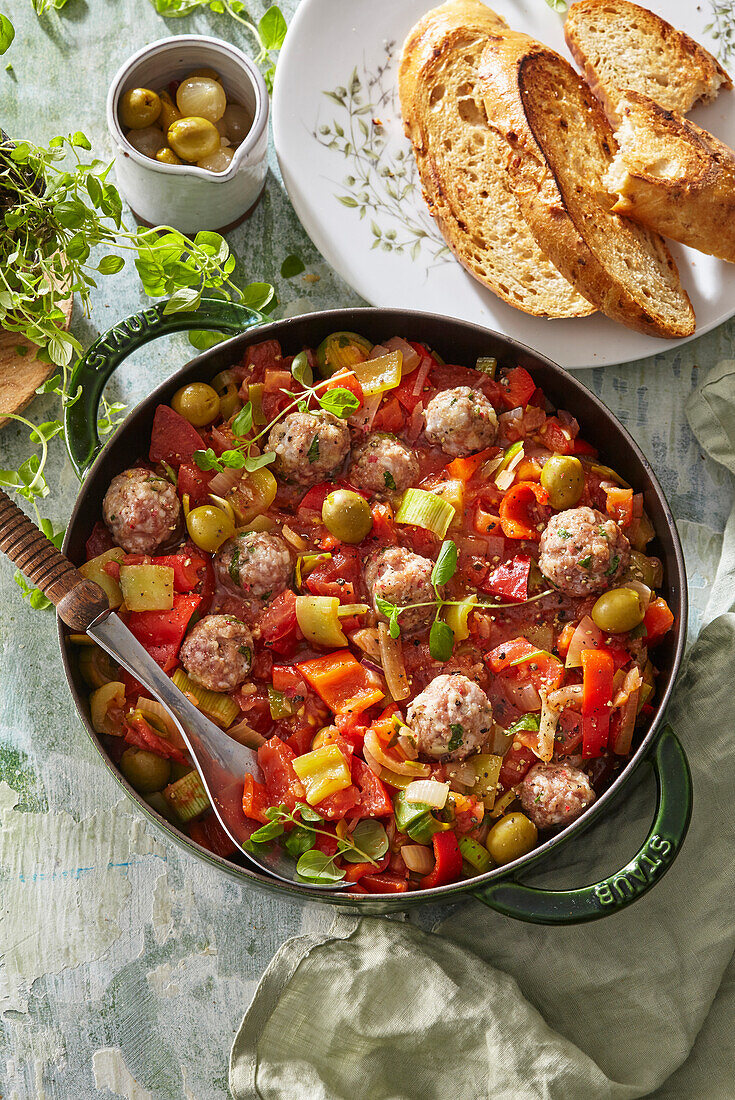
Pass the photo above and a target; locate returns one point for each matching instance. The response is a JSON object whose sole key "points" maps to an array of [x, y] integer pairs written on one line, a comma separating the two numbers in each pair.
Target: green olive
{"points": [[511, 837], [167, 156], [144, 770], [341, 351], [563, 479], [209, 527], [198, 403], [139, 107], [619, 610], [642, 568], [347, 516], [229, 401], [193, 138]]}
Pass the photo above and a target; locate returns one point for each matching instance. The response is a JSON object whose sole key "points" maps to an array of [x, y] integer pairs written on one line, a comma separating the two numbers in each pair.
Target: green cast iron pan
{"points": [[459, 342]]}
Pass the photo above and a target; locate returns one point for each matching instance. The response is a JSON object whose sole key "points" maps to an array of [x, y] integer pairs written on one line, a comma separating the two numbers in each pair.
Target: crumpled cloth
{"points": [[639, 1003]]}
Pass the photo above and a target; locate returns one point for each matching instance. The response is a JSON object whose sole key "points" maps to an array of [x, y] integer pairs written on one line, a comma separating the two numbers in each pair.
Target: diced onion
{"points": [[368, 642], [225, 480], [363, 418], [418, 858], [392, 763], [421, 377], [642, 589], [293, 538], [420, 508], [547, 731], [411, 358], [506, 477], [379, 350], [569, 696], [415, 422], [391, 658], [246, 735], [586, 636], [523, 696], [429, 791]]}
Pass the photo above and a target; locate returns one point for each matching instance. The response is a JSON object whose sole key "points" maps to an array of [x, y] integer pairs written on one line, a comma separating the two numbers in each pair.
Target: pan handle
{"points": [[646, 868], [91, 373]]}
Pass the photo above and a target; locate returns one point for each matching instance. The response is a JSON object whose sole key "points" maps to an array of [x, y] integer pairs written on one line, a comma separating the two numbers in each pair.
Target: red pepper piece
{"points": [[448, 861], [658, 621], [598, 669], [523, 510], [517, 388], [386, 883]]}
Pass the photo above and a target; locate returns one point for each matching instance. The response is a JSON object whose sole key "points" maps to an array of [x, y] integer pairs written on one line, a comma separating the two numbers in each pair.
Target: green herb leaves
{"points": [[292, 265], [339, 402], [445, 565], [7, 33]]}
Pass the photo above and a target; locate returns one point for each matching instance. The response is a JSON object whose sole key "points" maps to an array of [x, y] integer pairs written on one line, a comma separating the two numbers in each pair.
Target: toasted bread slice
{"points": [[462, 163], [674, 177], [622, 46], [562, 148]]}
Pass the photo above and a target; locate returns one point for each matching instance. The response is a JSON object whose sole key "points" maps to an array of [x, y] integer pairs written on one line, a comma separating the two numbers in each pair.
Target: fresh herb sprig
{"points": [[269, 32], [367, 843], [441, 636], [339, 401]]}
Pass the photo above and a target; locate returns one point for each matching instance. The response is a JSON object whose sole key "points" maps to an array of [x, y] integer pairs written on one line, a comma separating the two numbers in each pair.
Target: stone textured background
{"points": [[126, 964]]}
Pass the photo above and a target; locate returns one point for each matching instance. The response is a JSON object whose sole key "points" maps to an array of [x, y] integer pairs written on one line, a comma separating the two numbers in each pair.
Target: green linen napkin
{"points": [[377, 1009]]}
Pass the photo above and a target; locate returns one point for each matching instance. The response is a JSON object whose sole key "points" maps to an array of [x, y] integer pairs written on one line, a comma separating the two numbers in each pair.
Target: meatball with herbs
{"points": [[451, 718], [218, 652], [308, 446], [383, 464], [141, 510], [401, 577], [555, 794], [460, 421], [582, 551], [254, 563]]}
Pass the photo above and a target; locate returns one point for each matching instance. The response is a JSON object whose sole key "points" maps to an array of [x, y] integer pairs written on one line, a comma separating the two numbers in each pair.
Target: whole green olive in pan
{"points": [[144, 770], [198, 403], [563, 479], [139, 107], [209, 527], [619, 610], [511, 837], [347, 516]]}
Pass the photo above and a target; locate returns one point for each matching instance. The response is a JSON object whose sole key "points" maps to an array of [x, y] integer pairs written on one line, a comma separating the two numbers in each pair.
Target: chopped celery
{"points": [[255, 397], [420, 508], [222, 709], [323, 772], [157, 802], [147, 587], [318, 620], [416, 819], [94, 570], [487, 364], [279, 703], [187, 797], [475, 854]]}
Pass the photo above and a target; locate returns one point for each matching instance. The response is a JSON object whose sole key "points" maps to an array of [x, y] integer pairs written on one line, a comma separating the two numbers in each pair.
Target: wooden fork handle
{"points": [[78, 601]]}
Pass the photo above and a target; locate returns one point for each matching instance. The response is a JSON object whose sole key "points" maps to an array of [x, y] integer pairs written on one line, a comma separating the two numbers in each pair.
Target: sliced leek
{"points": [[486, 767], [476, 855], [323, 772], [452, 491], [222, 709], [279, 703], [420, 508], [381, 374], [487, 364], [187, 797], [319, 621], [391, 658], [505, 474], [97, 667], [341, 351], [456, 616], [109, 696]]}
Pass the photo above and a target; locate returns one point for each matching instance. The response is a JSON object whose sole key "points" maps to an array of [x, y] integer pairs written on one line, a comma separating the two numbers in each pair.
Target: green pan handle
{"points": [[93, 370], [646, 868]]}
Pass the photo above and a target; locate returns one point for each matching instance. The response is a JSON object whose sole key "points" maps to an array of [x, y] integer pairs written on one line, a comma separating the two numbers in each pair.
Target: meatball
{"points": [[582, 551], [141, 510], [255, 563], [383, 464], [218, 652], [452, 717], [555, 794], [460, 421], [402, 577], [309, 446]]}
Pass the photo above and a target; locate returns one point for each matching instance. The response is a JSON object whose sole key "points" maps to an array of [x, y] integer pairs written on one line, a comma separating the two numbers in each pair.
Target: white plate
{"points": [[355, 189]]}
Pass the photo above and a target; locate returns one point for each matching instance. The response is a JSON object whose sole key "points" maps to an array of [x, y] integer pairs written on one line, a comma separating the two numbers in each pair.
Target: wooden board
{"points": [[20, 375]]}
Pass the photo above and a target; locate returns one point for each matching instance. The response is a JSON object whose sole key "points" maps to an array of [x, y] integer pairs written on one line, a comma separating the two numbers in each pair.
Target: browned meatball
{"points": [[555, 794], [402, 577], [383, 464], [255, 563], [218, 652], [452, 717], [141, 510], [582, 551], [460, 421], [309, 446]]}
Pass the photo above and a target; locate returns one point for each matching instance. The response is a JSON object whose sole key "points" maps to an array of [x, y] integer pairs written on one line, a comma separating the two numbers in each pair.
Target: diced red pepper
{"points": [[557, 437], [281, 781], [465, 468], [447, 861], [386, 883], [517, 387], [523, 510], [516, 763], [99, 541], [598, 669], [619, 505], [326, 843], [658, 621], [525, 661], [162, 632], [209, 833], [255, 800], [510, 580], [341, 682], [355, 871], [582, 447], [173, 439]]}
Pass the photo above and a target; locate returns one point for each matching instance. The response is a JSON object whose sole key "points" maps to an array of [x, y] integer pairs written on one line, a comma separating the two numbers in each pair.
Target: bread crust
{"points": [[557, 180], [479, 218], [674, 177], [687, 73]]}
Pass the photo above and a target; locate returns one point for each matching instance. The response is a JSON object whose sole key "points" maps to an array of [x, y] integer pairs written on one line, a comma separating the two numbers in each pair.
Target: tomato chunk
{"points": [[521, 659], [374, 798], [510, 580], [281, 781], [173, 439], [162, 632]]}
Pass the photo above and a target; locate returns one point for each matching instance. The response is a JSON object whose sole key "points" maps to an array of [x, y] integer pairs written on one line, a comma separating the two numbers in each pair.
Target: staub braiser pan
{"points": [[459, 342]]}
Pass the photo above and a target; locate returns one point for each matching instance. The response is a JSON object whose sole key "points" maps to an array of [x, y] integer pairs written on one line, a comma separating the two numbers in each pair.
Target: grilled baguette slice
{"points": [[462, 163], [674, 177], [622, 46], [562, 148]]}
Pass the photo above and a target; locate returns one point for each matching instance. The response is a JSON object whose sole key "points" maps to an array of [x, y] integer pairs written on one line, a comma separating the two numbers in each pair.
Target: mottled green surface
{"points": [[151, 951]]}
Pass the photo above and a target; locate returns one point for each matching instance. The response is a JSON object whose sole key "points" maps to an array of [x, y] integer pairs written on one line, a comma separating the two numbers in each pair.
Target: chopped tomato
{"points": [[568, 733], [557, 437], [326, 843], [385, 883], [447, 861], [288, 679], [274, 399], [338, 805], [486, 523], [187, 569], [278, 623], [582, 447], [99, 541], [339, 576], [374, 798], [209, 833], [384, 527], [263, 356], [525, 661], [516, 762], [341, 681], [619, 505], [510, 580], [517, 388], [349, 382], [173, 439], [255, 800], [523, 511], [313, 500], [276, 763], [404, 395], [658, 621], [389, 417], [162, 632], [598, 670], [139, 732], [194, 482]]}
